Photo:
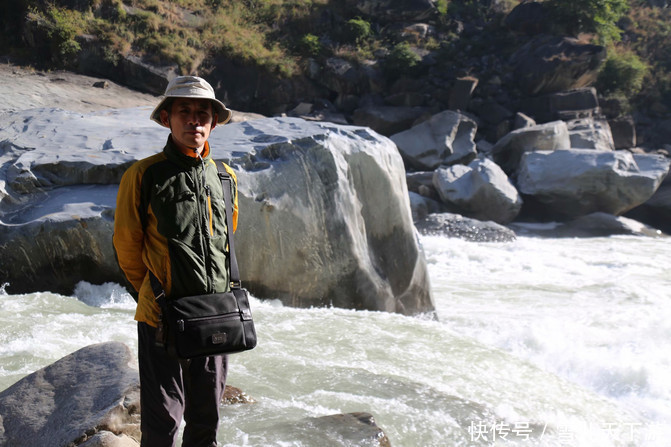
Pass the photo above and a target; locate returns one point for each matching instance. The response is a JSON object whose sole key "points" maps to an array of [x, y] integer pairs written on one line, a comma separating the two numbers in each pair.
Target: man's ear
{"points": [[215, 120], [165, 118]]}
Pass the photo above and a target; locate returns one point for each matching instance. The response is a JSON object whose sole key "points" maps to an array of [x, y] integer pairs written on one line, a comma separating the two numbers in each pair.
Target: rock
{"points": [[233, 395], [422, 206], [93, 390], [461, 92], [109, 439], [324, 209], [590, 133], [623, 130], [549, 64], [422, 184], [568, 105], [656, 211], [396, 10], [446, 138], [480, 190], [527, 18], [591, 225], [571, 183], [329, 205], [454, 225], [508, 151], [387, 120], [522, 121], [343, 77]]}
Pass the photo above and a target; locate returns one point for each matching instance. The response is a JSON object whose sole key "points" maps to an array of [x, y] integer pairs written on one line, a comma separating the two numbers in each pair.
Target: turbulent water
{"points": [[557, 342]]}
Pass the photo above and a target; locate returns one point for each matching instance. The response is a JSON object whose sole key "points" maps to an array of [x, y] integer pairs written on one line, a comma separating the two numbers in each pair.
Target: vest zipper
{"points": [[206, 221]]}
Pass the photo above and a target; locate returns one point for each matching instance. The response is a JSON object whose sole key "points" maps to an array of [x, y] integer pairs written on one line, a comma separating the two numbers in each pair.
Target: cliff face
{"points": [[335, 61]]}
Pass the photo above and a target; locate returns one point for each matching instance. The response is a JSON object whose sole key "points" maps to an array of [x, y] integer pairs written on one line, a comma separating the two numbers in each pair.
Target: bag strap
{"points": [[227, 185]]}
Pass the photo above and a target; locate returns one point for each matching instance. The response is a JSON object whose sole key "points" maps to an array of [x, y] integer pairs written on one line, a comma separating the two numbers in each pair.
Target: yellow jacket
{"points": [[170, 219]]}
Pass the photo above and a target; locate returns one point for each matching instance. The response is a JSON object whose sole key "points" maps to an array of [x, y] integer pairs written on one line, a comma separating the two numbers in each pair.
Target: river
{"points": [[557, 342]]}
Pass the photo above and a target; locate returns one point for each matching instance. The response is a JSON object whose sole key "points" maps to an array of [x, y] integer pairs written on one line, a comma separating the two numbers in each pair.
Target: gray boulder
{"points": [[444, 139], [590, 133], [93, 391], [324, 208], [480, 190], [572, 183], [325, 217], [508, 151]]}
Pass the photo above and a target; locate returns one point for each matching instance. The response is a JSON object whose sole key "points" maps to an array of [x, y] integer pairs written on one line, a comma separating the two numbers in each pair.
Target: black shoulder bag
{"points": [[210, 324]]}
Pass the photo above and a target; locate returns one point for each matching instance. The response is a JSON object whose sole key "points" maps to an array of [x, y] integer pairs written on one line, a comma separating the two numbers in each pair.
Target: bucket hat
{"points": [[191, 87]]}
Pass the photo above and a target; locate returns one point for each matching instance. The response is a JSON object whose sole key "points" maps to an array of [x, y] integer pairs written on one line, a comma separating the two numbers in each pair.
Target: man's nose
{"points": [[194, 118]]}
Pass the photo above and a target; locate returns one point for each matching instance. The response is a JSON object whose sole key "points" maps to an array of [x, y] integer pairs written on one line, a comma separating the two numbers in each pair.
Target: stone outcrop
{"points": [[324, 208], [480, 190], [549, 64], [571, 183], [444, 139], [88, 395]]}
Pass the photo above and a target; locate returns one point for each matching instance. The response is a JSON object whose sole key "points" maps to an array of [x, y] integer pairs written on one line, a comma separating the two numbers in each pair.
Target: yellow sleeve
{"points": [[235, 198], [128, 229]]}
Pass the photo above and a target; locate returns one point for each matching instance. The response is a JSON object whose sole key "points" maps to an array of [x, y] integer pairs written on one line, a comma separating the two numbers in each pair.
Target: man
{"points": [[170, 222]]}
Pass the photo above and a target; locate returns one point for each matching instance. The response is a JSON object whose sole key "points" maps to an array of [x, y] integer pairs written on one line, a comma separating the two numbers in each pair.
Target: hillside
{"points": [[334, 60]]}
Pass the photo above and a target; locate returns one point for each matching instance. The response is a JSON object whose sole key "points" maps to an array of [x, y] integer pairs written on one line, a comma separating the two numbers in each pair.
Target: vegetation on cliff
{"points": [[280, 36]]}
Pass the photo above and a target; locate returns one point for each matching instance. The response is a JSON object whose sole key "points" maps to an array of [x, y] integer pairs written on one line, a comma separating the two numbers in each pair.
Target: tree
{"points": [[588, 16]]}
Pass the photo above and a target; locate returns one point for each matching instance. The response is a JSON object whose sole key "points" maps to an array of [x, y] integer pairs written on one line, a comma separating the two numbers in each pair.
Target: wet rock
{"points": [[91, 391], [480, 190], [457, 226]]}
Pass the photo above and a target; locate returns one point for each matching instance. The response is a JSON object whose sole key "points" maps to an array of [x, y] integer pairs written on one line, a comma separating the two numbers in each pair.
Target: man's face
{"points": [[190, 120]]}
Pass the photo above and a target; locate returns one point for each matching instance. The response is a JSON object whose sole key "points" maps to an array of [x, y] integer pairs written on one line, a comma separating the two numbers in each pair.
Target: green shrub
{"points": [[622, 73], [588, 16], [401, 60], [310, 45], [358, 30]]}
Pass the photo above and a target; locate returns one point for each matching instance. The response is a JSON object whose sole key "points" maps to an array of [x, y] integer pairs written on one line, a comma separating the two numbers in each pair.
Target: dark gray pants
{"points": [[171, 389]]}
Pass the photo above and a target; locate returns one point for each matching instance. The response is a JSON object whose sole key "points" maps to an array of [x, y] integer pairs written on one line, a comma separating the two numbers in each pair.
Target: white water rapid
{"points": [[557, 342]]}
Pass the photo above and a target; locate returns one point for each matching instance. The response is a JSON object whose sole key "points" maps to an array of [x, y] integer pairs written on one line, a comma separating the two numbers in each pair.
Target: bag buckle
{"points": [[236, 285]]}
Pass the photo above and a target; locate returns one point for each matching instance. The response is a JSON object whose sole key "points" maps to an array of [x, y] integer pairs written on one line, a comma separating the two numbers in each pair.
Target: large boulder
{"points": [[566, 184], [548, 64], [91, 393], [444, 139], [324, 217], [480, 190], [508, 151]]}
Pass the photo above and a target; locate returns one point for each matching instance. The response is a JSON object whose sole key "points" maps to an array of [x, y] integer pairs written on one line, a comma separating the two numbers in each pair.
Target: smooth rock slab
{"points": [[91, 390]]}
